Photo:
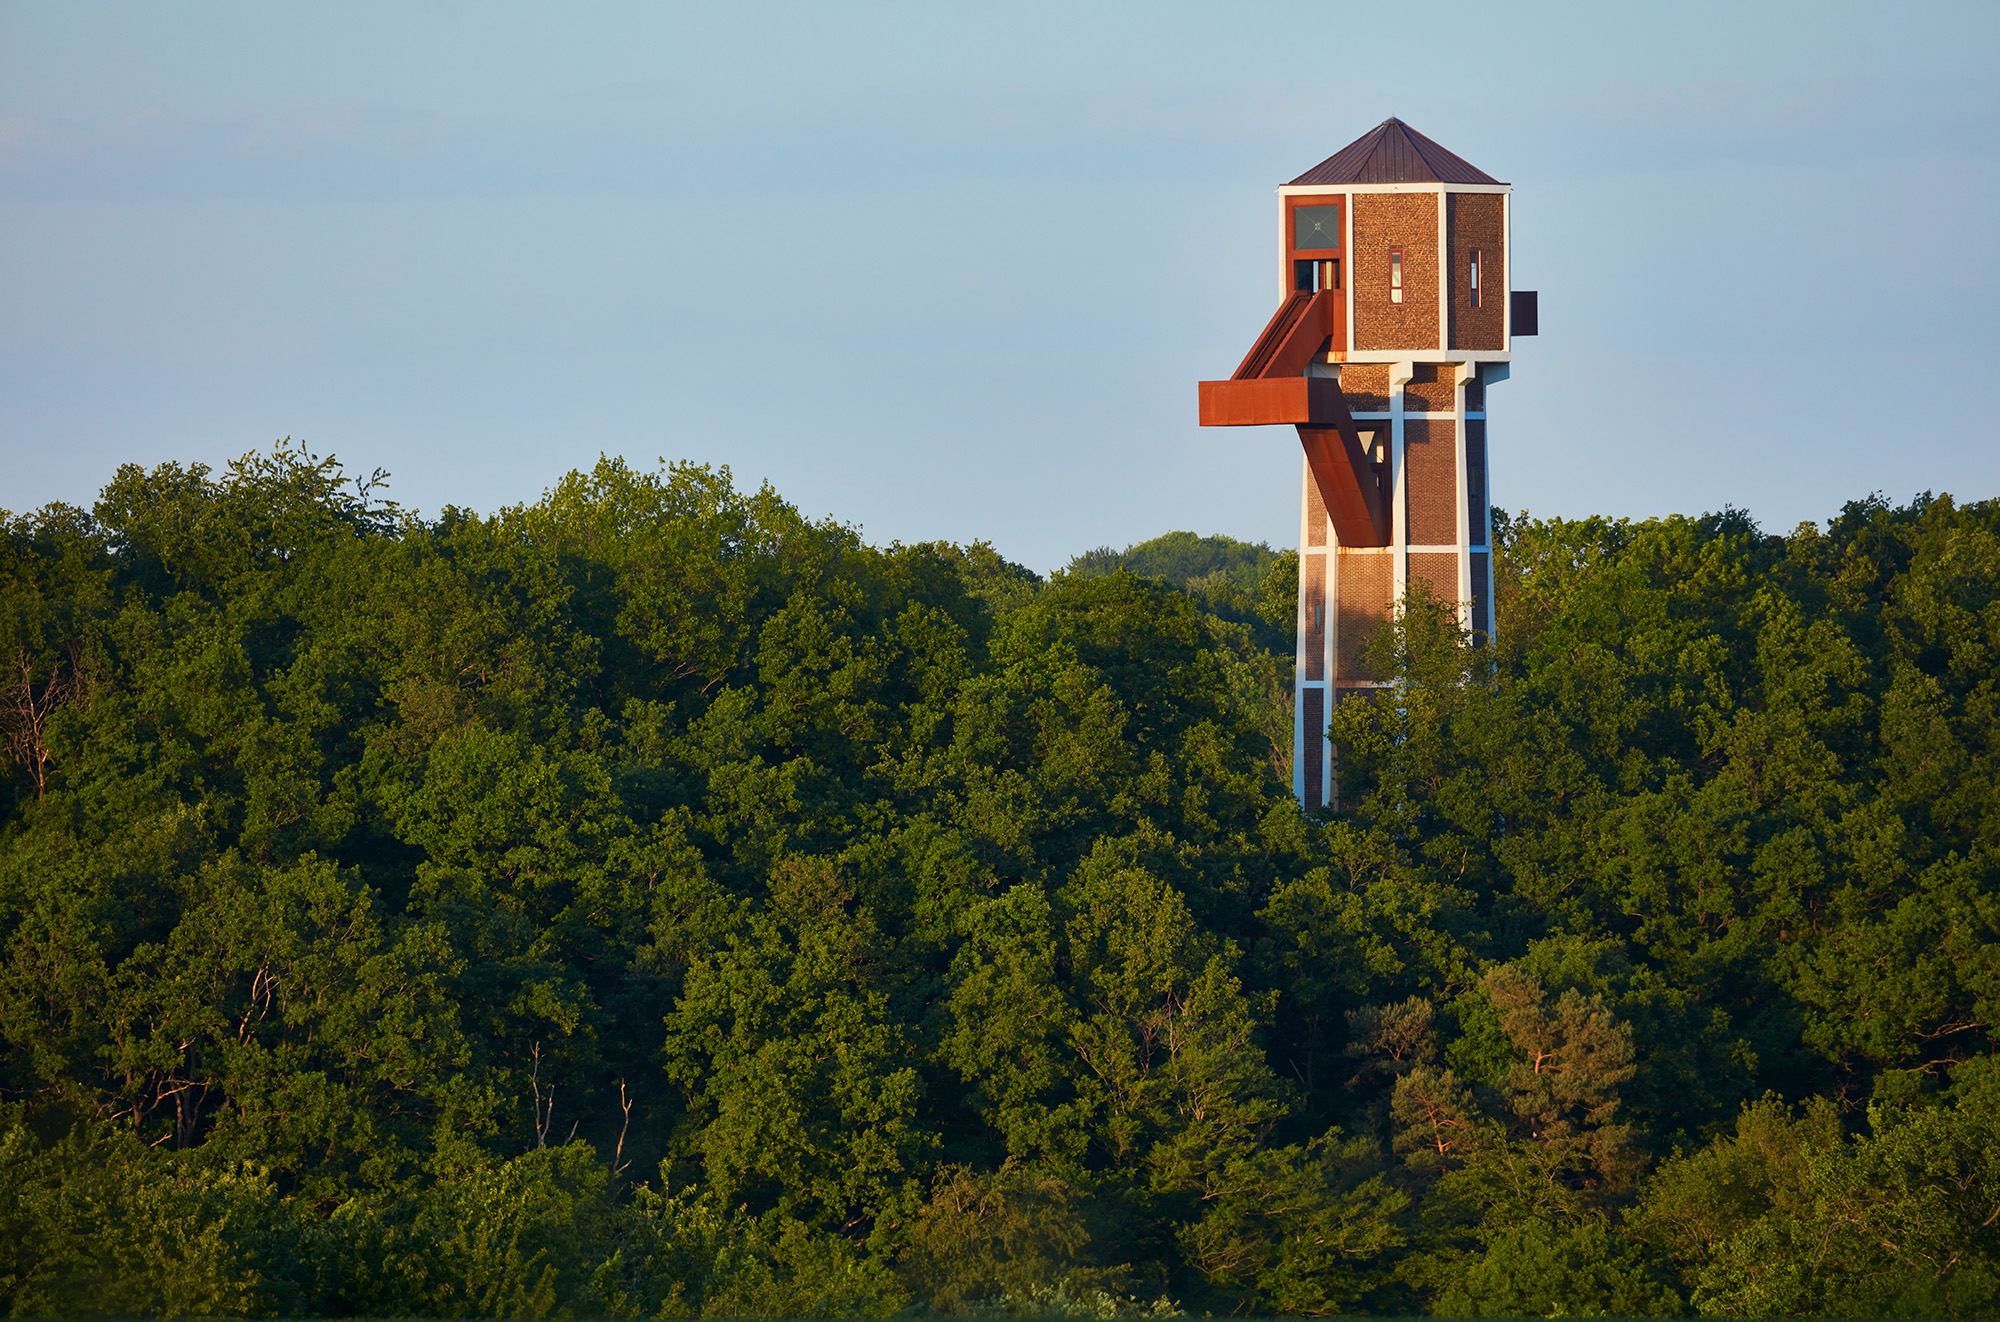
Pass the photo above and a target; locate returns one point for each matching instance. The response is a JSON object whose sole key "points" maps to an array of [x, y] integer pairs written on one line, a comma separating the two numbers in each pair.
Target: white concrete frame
{"points": [[1399, 509], [1347, 222], [1402, 369], [1349, 192], [1329, 624]]}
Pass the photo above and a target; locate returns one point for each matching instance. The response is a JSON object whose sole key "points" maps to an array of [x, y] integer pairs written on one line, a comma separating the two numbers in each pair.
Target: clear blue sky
{"points": [[952, 271]]}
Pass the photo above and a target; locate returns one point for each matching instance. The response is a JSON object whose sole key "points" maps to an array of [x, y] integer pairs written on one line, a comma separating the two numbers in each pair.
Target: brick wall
{"points": [[1432, 388], [1395, 220], [1439, 569], [1476, 220], [1365, 581], [1430, 476], [1315, 513], [1366, 386], [1312, 617]]}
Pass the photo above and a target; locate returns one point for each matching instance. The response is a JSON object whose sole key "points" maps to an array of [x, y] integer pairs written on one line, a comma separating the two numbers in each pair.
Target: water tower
{"points": [[1396, 318]]}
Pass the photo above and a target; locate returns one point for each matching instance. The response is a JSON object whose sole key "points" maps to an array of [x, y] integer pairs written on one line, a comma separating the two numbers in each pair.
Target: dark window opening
{"points": [[1525, 312], [1311, 277], [1313, 718], [1395, 275], [1474, 274], [1475, 482], [1482, 605]]}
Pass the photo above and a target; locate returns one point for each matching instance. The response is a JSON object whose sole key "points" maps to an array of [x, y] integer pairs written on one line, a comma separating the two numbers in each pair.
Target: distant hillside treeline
{"points": [[1200, 564], [651, 902]]}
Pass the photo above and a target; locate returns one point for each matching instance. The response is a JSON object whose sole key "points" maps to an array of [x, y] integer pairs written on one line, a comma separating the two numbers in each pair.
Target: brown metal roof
{"points": [[1394, 153]]}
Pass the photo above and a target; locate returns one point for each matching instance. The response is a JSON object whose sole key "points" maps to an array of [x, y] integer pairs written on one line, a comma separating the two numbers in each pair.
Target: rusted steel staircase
{"points": [[1289, 326], [1270, 388]]}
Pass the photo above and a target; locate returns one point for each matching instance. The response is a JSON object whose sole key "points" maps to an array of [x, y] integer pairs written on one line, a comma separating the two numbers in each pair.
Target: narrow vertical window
{"points": [[1475, 277], [1395, 275]]}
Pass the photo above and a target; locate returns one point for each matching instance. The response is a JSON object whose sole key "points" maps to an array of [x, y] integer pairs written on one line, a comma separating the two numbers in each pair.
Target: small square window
{"points": [[1315, 227]]}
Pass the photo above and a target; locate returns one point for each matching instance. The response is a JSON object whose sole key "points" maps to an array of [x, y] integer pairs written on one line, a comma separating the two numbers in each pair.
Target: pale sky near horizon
{"points": [[953, 272]]}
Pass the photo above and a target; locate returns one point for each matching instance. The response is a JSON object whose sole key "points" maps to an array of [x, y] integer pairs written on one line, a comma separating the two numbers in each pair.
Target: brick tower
{"points": [[1396, 320]]}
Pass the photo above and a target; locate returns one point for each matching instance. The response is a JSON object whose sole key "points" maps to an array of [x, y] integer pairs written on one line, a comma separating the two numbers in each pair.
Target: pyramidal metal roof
{"points": [[1394, 153]]}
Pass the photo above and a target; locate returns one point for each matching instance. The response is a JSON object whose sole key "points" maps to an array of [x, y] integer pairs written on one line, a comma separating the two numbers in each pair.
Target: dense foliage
{"points": [[1202, 565], [653, 902]]}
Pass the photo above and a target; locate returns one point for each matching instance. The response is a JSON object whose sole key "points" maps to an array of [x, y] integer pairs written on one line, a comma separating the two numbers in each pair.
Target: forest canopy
{"points": [[651, 901]]}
